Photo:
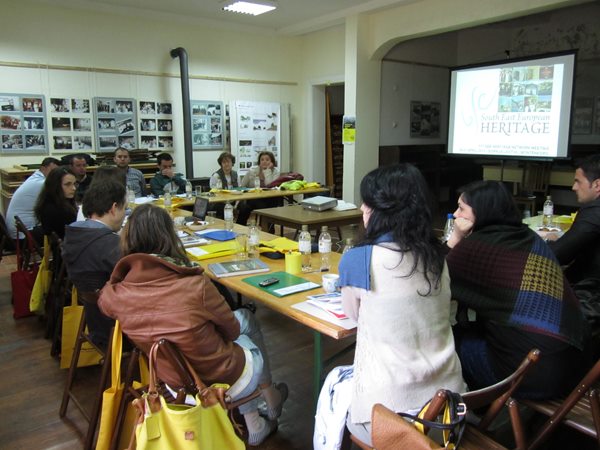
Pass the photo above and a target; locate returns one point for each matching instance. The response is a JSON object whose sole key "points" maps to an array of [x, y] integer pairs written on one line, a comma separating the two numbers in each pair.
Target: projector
{"points": [[319, 203]]}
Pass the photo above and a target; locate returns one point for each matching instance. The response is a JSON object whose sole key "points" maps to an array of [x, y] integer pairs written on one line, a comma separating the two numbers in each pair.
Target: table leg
{"points": [[317, 366]]}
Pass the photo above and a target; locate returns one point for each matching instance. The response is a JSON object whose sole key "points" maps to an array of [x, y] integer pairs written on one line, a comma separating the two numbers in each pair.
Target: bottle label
{"points": [[228, 214], [548, 210], [254, 239], [325, 247], [304, 246]]}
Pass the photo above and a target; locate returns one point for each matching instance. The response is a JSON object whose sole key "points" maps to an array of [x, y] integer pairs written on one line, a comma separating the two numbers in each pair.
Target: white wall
{"points": [[84, 39]]}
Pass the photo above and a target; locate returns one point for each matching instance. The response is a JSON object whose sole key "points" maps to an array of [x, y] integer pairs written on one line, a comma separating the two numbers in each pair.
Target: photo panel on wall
{"points": [[116, 122], [156, 124], [71, 124], [23, 126]]}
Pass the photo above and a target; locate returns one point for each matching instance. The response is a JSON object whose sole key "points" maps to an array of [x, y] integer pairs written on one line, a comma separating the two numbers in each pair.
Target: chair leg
{"points": [[125, 398], [595, 403], [97, 407], [72, 369]]}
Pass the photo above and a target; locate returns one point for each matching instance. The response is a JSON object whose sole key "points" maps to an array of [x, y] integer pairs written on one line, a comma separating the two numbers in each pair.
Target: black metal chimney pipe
{"points": [[185, 101]]}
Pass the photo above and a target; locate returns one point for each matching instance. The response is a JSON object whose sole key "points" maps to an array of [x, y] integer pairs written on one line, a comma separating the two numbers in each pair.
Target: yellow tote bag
{"points": [[70, 325], [204, 426], [43, 281], [111, 397]]}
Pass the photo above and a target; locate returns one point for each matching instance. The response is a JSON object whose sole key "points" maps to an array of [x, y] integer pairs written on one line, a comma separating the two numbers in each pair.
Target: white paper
{"points": [[196, 251], [312, 310], [296, 288], [142, 200]]}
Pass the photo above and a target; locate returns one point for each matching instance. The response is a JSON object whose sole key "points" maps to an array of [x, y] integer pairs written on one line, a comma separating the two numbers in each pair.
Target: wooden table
{"points": [[283, 305], [294, 216]]}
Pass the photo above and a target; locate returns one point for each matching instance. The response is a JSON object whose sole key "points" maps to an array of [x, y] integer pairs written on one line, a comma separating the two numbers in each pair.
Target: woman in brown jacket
{"points": [[155, 292]]}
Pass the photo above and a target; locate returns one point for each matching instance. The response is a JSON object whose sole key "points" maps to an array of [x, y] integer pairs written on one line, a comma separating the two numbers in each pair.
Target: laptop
{"points": [[199, 211]]}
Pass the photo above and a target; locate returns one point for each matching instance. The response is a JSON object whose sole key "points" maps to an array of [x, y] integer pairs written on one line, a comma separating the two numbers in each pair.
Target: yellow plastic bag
{"points": [[88, 356], [43, 281], [111, 397]]}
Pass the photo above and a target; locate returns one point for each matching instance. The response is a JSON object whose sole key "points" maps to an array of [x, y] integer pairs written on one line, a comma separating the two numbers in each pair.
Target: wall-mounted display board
{"points": [[207, 124], [116, 123], [156, 125], [257, 128], [23, 127], [70, 124]]}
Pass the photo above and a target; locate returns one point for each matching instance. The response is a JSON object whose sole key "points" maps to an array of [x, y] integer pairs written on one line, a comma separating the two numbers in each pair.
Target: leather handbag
{"points": [[22, 281], [451, 420], [167, 426], [43, 280], [88, 355]]}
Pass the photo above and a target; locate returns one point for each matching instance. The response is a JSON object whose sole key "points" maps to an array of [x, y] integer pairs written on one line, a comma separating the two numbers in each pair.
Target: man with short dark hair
{"points": [[580, 245], [91, 248], [79, 168], [166, 176], [25, 197], [135, 179]]}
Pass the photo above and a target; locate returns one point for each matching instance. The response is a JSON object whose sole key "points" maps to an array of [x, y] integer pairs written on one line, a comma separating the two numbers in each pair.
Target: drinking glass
{"points": [[210, 217], [241, 241]]}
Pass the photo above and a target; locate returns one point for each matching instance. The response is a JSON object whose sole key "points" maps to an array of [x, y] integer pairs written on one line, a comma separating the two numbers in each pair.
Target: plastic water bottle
{"points": [[304, 245], [256, 183], [349, 244], [253, 240], [188, 189], [548, 211], [228, 216], [219, 184], [130, 196], [448, 228], [325, 248]]}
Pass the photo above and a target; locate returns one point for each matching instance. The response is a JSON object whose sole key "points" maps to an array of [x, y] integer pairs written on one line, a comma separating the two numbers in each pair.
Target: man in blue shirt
{"points": [[24, 199], [135, 179]]}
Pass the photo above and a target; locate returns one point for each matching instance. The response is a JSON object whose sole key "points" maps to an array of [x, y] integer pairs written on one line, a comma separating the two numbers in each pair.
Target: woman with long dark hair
{"points": [[156, 292], [395, 285], [55, 207], [507, 275]]}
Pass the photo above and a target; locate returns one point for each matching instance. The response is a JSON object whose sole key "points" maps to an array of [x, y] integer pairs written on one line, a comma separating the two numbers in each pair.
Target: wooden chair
{"points": [[68, 394], [493, 398], [535, 180], [580, 410], [93, 416], [31, 247]]}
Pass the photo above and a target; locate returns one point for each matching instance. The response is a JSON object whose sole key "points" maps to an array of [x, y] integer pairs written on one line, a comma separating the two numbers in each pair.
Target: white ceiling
{"points": [[292, 17]]}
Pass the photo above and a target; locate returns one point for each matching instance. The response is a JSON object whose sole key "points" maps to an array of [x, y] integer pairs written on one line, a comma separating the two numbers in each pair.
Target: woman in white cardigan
{"points": [[396, 286]]}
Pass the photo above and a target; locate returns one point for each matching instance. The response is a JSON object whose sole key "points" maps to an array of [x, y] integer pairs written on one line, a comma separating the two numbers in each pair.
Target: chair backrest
{"points": [[170, 351], [536, 177], [498, 394], [4, 236], [31, 246]]}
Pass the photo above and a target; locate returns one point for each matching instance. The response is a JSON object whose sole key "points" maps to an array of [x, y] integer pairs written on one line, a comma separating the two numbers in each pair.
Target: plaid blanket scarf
{"points": [[509, 275]]}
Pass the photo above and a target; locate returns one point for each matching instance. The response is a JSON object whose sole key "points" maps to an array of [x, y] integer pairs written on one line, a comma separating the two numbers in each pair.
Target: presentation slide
{"points": [[516, 108]]}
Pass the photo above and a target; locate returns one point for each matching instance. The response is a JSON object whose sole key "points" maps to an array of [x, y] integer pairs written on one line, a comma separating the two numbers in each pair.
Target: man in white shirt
{"points": [[24, 199]]}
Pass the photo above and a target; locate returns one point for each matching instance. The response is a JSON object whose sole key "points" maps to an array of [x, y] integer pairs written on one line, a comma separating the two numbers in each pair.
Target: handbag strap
{"points": [[152, 363]]}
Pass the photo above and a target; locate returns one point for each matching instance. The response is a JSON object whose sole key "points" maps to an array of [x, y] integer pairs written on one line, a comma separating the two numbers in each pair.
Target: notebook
{"points": [[234, 268]]}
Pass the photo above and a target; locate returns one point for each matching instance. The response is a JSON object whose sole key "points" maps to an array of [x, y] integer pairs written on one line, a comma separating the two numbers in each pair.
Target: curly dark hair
{"points": [[399, 199]]}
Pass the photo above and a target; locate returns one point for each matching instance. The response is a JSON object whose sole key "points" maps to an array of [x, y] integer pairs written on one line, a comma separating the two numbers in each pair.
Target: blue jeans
{"points": [[251, 339], [474, 358]]}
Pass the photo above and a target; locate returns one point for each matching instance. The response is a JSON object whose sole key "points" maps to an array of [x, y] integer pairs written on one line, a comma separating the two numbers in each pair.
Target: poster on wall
{"points": [[156, 125], [71, 125], [116, 123], [258, 130], [23, 127], [207, 124], [424, 119]]}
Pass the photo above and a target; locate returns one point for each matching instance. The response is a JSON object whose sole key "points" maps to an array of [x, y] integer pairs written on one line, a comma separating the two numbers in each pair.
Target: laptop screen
{"points": [[200, 208]]}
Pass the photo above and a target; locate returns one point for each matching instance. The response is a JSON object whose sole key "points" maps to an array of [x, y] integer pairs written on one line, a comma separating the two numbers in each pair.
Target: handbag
{"points": [[88, 356], [43, 281], [22, 281], [451, 419], [112, 396], [168, 426]]}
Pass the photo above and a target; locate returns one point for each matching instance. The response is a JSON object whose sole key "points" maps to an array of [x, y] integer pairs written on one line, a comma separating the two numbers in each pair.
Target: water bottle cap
{"points": [[324, 228], [304, 227], [450, 216]]}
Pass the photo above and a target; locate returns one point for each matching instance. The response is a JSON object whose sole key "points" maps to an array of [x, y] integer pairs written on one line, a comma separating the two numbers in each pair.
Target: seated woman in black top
{"points": [[508, 275], [55, 205]]}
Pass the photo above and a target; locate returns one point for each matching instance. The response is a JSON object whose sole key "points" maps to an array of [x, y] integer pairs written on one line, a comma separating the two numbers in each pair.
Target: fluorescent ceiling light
{"points": [[248, 7]]}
